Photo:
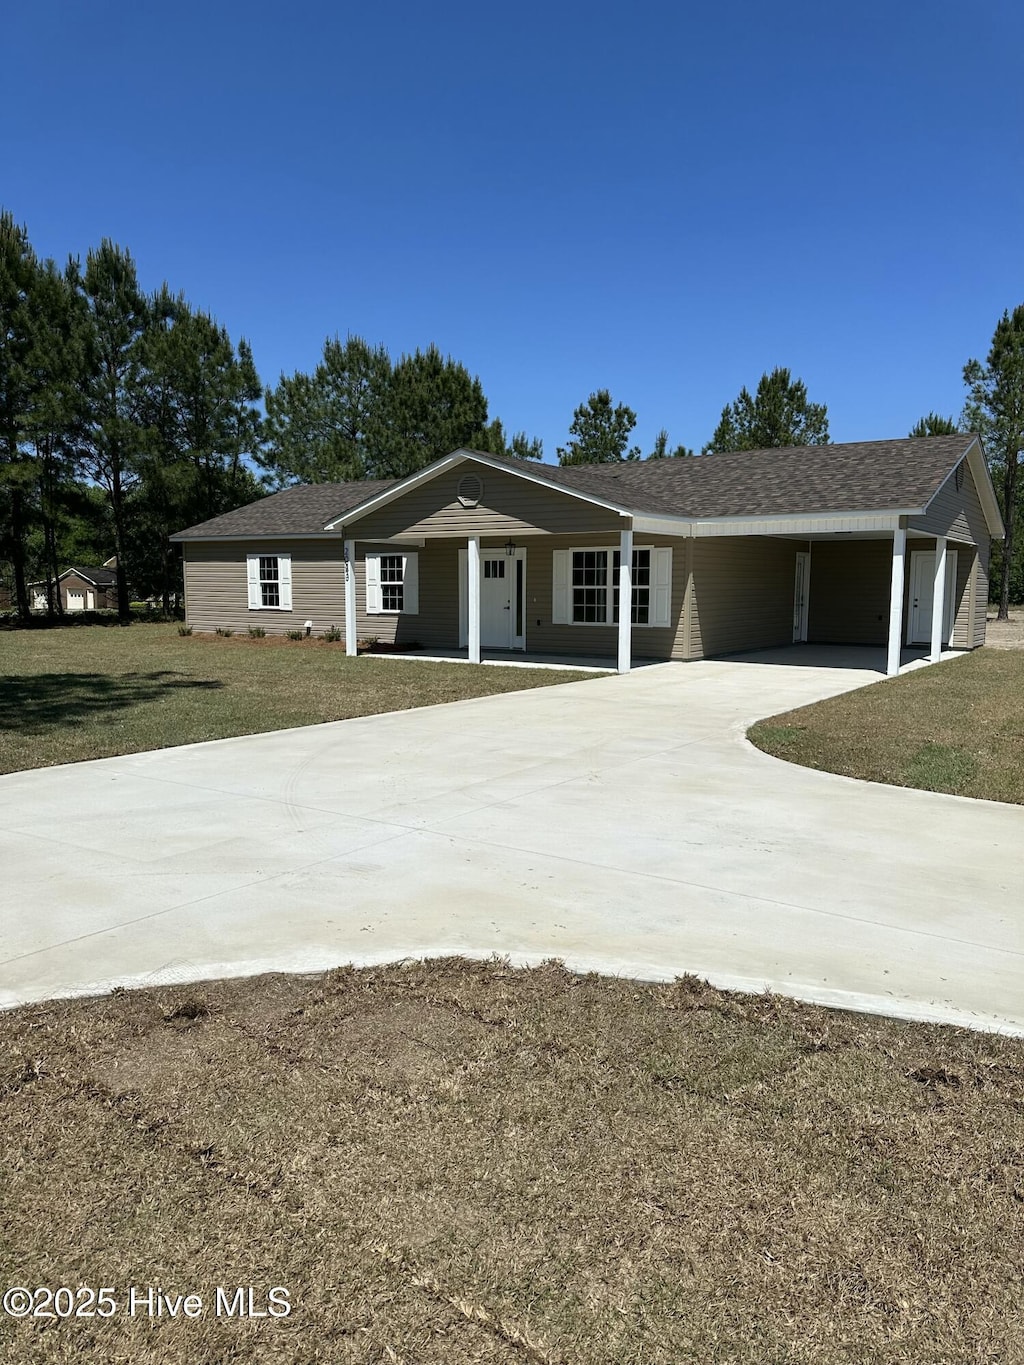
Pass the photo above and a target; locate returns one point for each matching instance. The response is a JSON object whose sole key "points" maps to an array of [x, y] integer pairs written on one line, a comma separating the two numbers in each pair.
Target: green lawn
{"points": [[457, 1162], [955, 727], [94, 691]]}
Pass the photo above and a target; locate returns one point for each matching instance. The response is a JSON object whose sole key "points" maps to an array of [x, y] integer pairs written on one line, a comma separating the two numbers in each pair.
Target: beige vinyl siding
{"points": [[981, 590], [509, 506], [436, 624], [849, 602], [649, 642], [963, 619], [742, 593], [216, 591], [956, 513], [217, 594]]}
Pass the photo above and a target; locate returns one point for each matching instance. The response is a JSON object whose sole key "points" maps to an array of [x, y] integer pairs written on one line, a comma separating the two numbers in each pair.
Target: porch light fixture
{"points": [[510, 548]]}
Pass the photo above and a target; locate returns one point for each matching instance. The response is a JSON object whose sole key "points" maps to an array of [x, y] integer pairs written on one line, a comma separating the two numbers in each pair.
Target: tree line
{"points": [[125, 416]]}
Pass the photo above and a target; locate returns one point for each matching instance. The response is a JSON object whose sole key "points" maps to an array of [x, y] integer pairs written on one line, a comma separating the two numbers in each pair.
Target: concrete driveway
{"points": [[623, 824]]}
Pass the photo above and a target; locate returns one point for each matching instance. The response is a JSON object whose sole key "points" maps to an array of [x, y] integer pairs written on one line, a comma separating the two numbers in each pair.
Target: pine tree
{"points": [[115, 436], [599, 433], [432, 406], [933, 425], [662, 452], [320, 427], [18, 268], [778, 415], [492, 439], [995, 409]]}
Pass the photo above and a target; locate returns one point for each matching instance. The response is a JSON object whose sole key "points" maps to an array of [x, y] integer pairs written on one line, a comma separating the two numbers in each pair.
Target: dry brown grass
{"points": [[458, 1162], [96, 691], [955, 727]]}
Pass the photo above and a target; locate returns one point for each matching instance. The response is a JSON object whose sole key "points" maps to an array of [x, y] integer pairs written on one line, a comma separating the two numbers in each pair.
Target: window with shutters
{"points": [[589, 585], [586, 586], [392, 580], [392, 583], [270, 581]]}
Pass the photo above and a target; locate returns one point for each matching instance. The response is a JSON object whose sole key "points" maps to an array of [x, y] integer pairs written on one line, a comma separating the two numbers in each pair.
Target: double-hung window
{"points": [[586, 586], [392, 583], [270, 582]]}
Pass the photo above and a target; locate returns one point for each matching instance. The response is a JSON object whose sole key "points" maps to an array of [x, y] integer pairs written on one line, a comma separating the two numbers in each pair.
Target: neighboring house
{"points": [[81, 589], [872, 543]]}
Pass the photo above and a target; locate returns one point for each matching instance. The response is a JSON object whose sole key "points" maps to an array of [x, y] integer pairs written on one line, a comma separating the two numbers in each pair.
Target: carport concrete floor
{"points": [[622, 824]]}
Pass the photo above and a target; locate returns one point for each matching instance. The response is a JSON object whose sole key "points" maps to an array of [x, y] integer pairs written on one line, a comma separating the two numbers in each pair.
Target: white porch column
{"points": [[473, 603], [626, 599], [938, 597], [899, 553], [350, 598]]}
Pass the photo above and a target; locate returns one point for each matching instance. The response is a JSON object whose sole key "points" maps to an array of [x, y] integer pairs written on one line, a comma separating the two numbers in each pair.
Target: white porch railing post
{"points": [[473, 595], [626, 599], [938, 598], [899, 554], [350, 599]]}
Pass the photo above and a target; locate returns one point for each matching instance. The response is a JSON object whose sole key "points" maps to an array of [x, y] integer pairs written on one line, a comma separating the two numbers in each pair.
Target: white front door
{"points": [[922, 585], [502, 599], [801, 596], [495, 600]]}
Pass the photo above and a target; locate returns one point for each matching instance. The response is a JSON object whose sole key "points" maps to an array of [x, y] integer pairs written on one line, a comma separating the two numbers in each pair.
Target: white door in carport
{"points": [[922, 586]]}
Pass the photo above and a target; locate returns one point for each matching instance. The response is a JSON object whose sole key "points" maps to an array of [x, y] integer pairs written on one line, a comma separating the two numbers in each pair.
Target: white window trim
{"points": [[284, 580], [609, 621], [410, 583]]}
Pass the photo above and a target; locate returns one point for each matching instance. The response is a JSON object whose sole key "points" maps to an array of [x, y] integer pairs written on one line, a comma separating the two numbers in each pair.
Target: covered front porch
{"points": [[481, 600]]}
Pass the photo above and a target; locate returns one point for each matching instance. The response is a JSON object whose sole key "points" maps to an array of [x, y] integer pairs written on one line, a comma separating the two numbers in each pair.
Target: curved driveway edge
{"points": [[622, 824]]}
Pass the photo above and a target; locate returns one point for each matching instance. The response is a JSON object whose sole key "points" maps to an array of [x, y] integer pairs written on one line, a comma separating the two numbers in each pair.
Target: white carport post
{"points": [[473, 595], [899, 554], [351, 646], [938, 598], [626, 598]]}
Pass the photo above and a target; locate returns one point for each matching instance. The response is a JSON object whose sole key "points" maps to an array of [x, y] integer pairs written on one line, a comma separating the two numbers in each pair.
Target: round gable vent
{"points": [[470, 490]]}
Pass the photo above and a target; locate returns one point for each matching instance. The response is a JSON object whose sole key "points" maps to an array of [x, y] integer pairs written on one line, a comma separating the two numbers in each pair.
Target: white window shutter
{"points": [[661, 586], [253, 566], [411, 585], [463, 598], [284, 581], [374, 596], [561, 614]]}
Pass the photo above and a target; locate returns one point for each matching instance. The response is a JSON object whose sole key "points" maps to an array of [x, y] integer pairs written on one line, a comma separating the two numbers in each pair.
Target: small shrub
{"points": [[184, 630], [333, 634], [257, 633], [296, 634], [222, 630], [368, 642]]}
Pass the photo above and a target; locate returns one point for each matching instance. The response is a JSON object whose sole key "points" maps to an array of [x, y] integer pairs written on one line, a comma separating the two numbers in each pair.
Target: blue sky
{"points": [[660, 199]]}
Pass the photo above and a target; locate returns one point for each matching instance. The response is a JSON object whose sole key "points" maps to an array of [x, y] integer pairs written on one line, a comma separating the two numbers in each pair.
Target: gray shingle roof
{"points": [[102, 578], [302, 510], [861, 476]]}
